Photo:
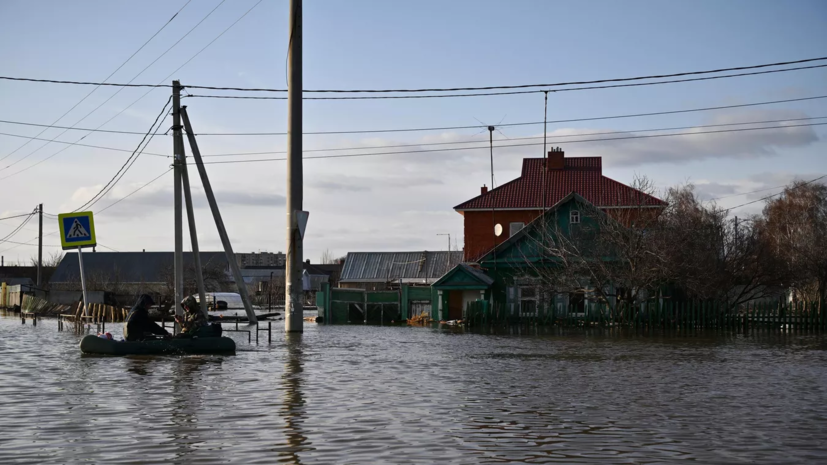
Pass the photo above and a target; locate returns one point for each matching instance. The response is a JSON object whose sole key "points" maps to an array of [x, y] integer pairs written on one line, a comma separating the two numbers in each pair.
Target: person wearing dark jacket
{"points": [[138, 326]]}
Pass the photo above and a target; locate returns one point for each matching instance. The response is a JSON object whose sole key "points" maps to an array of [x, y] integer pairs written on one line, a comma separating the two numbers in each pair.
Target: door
{"points": [[454, 305]]}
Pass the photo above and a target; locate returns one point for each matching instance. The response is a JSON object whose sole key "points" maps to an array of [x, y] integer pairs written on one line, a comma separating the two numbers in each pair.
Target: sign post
{"points": [[77, 230]]}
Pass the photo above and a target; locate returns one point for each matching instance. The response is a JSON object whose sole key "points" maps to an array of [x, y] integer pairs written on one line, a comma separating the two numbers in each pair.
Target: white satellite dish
{"points": [[498, 230]]}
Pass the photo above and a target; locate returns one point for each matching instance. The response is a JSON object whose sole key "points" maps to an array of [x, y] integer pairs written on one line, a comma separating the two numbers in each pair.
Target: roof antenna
{"points": [[491, 145]]}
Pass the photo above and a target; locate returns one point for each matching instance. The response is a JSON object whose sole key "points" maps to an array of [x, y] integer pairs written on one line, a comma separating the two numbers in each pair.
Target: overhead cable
{"points": [[532, 123], [774, 195], [104, 81], [447, 89], [523, 145], [483, 94], [129, 161]]}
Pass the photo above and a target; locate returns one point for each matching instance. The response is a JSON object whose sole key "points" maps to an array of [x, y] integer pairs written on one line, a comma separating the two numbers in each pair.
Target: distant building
{"points": [[375, 271], [261, 259]]}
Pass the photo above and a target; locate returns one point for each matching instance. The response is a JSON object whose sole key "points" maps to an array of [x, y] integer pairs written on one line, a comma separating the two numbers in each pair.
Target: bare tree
{"points": [[794, 226], [327, 257]]}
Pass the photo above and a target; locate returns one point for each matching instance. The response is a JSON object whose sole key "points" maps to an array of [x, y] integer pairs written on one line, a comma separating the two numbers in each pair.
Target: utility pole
{"points": [[178, 148], [40, 247], [293, 309]]}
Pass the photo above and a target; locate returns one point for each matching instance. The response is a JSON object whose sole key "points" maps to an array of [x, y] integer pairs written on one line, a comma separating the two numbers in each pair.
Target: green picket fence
{"points": [[666, 314]]}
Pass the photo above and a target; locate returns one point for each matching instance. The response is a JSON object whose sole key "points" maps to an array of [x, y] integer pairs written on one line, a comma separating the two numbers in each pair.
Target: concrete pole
{"points": [[293, 309], [40, 248], [219, 223], [196, 254], [177, 145]]}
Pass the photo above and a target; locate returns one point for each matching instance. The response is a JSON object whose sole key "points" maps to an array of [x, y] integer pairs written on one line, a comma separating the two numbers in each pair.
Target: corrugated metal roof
{"points": [[425, 267], [582, 175]]}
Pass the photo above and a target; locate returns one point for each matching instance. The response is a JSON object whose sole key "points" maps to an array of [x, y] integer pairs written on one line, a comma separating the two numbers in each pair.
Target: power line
{"points": [[470, 141], [139, 98], [520, 145], [16, 216], [448, 89], [160, 84], [443, 128], [96, 88], [532, 123], [106, 79], [746, 193], [773, 195], [133, 192], [338, 149], [147, 93], [115, 149], [129, 161], [73, 128], [485, 94], [18, 228], [30, 242]]}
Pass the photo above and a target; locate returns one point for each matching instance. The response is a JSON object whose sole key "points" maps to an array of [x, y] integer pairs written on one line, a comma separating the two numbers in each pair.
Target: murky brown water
{"points": [[413, 395]]}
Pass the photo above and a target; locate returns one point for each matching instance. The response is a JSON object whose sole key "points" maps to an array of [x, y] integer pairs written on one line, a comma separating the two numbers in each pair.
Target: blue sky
{"points": [[396, 202]]}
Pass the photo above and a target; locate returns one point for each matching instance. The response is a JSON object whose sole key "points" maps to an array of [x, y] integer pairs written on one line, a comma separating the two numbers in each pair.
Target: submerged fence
{"points": [[663, 314]]}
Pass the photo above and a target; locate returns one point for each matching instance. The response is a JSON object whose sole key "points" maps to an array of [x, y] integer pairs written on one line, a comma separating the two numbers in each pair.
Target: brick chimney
{"points": [[555, 159], [483, 189]]}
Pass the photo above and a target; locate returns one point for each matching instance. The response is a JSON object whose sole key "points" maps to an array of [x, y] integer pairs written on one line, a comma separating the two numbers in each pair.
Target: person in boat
{"points": [[193, 319], [138, 326]]}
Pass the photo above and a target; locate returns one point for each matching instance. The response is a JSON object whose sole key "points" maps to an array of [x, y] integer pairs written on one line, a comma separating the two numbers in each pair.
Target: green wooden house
{"points": [[506, 276]]}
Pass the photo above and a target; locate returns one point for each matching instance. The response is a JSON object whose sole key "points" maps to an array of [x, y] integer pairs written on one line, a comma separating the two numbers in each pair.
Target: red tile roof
{"points": [[583, 175]]}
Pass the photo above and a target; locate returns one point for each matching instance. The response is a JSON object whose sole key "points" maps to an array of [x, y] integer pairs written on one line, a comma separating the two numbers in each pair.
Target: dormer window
{"points": [[574, 217]]}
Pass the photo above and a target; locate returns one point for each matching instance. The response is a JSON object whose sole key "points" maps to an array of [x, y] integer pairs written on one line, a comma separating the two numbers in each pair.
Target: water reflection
{"points": [[188, 400], [293, 405]]}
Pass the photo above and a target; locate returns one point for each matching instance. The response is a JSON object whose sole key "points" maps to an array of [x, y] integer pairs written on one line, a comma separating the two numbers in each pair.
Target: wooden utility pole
{"points": [[178, 149], [293, 309], [40, 247]]}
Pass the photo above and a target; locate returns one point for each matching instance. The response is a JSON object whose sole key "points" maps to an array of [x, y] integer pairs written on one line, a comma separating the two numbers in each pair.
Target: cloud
{"points": [[702, 143], [339, 186], [145, 202], [752, 187]]}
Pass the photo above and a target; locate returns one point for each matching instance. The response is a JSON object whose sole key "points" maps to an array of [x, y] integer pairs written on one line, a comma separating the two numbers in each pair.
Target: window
{"points": [[515, 227], [574, 217], [528, 301]]}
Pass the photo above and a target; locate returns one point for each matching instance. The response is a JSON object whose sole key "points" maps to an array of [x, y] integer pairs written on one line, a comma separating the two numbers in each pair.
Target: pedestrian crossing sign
{"points": [[77, 230]]}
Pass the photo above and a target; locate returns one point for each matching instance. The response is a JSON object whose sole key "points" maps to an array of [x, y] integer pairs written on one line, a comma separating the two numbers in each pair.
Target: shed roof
{"points": [[131, 267], [583, 175], [424, 266]]}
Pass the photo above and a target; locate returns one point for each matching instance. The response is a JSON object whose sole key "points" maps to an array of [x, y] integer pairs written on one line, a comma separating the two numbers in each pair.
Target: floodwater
{"points": [[368, 394]]}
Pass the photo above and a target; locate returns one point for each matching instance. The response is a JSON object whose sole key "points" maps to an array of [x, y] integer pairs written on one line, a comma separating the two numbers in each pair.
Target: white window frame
{"points": [[574, 217], [511, 226]]}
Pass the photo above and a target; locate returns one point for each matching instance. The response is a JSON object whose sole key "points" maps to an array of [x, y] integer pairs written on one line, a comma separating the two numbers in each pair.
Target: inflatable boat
{"points": [[199, 345]]}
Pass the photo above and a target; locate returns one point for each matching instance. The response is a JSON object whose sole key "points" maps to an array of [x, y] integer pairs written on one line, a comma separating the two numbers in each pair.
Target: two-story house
{"points": [[497, 214]]}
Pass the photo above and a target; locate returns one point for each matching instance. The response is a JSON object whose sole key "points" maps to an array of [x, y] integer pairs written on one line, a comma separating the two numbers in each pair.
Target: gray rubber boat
{"points": [[198, 345]]}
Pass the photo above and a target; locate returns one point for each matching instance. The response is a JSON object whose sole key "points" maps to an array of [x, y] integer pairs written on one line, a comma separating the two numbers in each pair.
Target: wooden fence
{"points": [[98, 314], [665, 314]]}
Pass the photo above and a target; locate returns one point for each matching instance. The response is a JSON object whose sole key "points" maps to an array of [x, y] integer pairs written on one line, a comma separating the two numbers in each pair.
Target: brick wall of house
{"points": [[479, 229], [479, 225]]}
